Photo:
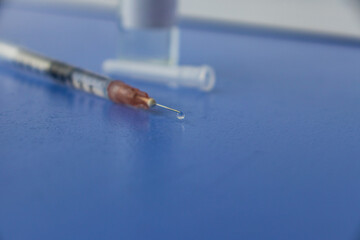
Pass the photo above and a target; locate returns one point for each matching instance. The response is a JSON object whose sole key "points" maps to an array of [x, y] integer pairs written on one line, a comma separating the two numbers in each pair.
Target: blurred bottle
{"points": [[148, 47], [147, 31]]}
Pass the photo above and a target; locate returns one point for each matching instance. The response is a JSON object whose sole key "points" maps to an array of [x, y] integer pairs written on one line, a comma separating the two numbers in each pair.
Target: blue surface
{"points": [[272, 153]]}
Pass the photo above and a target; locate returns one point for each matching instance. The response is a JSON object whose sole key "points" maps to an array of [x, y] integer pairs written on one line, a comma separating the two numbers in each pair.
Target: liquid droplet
{"points": [[180, 115]]}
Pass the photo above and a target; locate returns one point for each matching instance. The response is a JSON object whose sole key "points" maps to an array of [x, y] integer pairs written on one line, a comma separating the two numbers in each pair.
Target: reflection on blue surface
{"points": [[271, 153]]}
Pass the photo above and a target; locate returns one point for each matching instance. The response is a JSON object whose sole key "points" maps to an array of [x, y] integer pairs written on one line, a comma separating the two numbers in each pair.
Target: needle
{"points": [[180, 114], [171, 109]]}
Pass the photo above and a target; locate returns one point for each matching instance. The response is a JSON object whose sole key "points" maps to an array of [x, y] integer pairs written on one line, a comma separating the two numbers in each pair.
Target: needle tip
{"points": [[180, 114]]}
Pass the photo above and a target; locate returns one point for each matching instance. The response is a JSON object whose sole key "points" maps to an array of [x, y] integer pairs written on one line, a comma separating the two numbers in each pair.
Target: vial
{"points": [[147, 31]]}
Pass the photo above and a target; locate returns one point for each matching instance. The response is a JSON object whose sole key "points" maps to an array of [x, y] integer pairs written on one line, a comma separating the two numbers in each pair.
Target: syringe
{"points": [[116, 91]]}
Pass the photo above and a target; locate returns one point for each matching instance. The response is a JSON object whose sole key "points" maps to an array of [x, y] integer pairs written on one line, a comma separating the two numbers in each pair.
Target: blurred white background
{"points": [[325, 16], [335, 17]]}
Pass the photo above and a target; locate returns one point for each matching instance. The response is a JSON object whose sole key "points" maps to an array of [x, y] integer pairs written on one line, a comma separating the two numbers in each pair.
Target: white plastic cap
{"points": [[200, 77], [148, 13]]}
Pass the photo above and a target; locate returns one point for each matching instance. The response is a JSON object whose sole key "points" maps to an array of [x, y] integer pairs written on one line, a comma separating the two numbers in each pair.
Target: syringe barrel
{"points": [[62, 72]]}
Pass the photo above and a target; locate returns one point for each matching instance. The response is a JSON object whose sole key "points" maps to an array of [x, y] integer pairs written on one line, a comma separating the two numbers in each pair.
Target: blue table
{"points": [[272, 153]]}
